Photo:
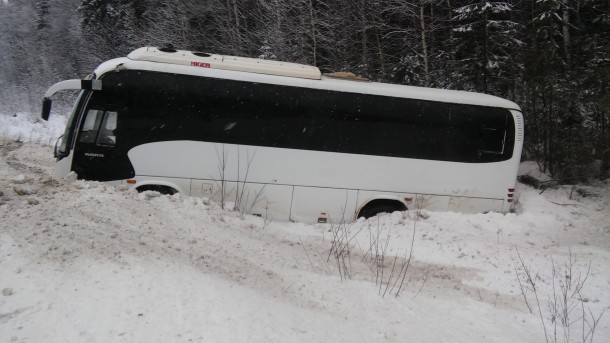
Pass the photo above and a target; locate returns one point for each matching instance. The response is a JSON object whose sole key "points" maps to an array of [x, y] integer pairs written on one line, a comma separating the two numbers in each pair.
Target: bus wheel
{"points": [[381, 206], [157, 188]]}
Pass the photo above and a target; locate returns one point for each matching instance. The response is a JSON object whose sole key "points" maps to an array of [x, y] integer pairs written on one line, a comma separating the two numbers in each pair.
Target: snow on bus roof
{"points": [[284, 73]]}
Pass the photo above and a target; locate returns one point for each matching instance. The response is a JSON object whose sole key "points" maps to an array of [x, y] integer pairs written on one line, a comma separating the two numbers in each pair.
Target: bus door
{"points": [[97, 153]]}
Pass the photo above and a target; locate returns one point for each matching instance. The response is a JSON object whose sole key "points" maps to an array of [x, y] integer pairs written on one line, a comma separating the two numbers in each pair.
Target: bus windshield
{"points": [[64, 147]]}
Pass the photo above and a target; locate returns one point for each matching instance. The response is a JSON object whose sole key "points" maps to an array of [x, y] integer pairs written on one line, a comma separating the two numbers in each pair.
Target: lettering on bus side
{"points": [[200, 64], [92, 154]]}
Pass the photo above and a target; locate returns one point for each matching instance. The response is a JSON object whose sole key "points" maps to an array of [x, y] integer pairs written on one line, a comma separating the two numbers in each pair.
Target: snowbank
{"points": [[24, 127], [85, 262], [88, 262]]}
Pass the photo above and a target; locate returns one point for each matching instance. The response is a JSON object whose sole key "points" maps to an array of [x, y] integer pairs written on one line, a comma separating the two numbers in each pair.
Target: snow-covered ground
{"points": [[26, 127], [85, 262]]}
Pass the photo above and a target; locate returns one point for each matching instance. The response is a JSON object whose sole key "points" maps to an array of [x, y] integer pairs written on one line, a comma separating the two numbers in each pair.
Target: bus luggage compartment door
{"points": [[309, 204]]}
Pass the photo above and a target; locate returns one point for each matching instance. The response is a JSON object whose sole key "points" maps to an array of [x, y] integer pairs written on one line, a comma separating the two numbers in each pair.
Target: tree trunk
{"points": [[364, 40], [451, 49], [381, 53], [236, 14], [550, 134], [312, 22], [485, 52], [424, 45], [566, 32]]}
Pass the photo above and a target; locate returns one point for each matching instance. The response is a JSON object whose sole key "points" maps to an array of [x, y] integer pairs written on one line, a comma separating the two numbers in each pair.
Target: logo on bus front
{"points": [[200, 64]]}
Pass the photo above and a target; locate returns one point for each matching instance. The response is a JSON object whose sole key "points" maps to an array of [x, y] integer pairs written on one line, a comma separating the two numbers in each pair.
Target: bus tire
{"points": [[376, 207], [157, 188]]}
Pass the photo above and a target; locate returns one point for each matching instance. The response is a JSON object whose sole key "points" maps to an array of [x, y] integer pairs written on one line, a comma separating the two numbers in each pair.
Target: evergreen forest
{"points": [[552, 57]]}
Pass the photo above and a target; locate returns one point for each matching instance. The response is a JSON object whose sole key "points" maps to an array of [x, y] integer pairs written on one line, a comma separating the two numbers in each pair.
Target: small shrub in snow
{"points": [[394, 280], [566, 308], [340, 249]]}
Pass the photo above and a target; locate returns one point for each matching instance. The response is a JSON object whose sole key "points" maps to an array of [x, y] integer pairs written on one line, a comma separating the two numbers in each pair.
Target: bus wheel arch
{"points": [[381, 205], [163, 189]]}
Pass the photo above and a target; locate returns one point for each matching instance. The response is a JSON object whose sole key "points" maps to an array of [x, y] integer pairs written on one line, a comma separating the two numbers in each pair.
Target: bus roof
{"points": [[244, 64], [282, 73]]}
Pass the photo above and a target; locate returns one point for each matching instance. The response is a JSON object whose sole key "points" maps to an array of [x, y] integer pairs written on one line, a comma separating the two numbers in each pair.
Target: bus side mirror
{"points": [[46, 108], [75, 84]]}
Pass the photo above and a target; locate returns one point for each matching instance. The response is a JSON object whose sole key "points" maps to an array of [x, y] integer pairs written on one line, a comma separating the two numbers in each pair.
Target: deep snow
{"points": [[85, 262]]}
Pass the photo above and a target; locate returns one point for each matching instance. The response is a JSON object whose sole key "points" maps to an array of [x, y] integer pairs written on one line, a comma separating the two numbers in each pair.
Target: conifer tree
{"points": [[485, 37]]}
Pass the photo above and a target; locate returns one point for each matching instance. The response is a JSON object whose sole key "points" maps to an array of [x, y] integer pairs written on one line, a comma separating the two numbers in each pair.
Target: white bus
{"points": [[282, 140]]}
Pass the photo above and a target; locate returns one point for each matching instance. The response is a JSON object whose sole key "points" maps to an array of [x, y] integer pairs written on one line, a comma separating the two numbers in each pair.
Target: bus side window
{"points": [[88, 132], [99, 128], [491, 141], [492, 137], [107, 136]]}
